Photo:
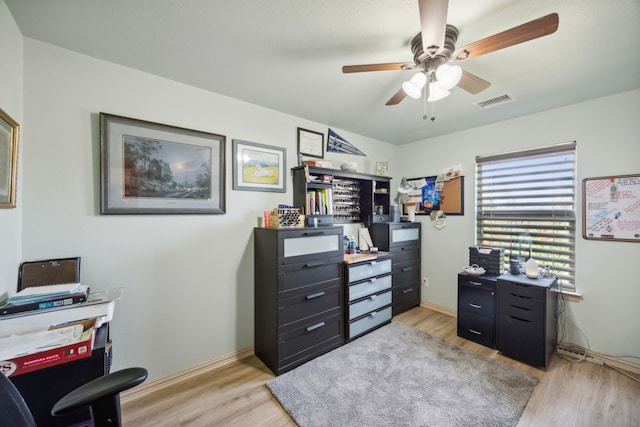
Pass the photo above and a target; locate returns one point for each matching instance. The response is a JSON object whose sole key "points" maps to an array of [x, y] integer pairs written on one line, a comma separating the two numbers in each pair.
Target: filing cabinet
{"points": [[477, 308], [403, 241], [368, 289], [526, 318], [298, 295]]}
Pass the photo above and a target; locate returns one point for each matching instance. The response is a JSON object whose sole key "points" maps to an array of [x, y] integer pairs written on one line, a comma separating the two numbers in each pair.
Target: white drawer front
{"points": [[307, 245], [371, 286], [372, 320], [370, 304], [369, 269], [405, 234]]}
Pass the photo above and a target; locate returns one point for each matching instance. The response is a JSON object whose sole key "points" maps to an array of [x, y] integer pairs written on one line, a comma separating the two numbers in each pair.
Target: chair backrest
{"points": [[13, 410], [49, 272]]}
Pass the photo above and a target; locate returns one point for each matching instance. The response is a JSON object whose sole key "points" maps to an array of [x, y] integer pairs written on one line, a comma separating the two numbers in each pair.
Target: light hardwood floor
{"points": [[568, 394]]}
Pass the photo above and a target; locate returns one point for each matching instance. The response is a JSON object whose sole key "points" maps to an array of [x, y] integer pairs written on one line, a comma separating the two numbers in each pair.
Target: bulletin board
{"points": [[429, 195], [611, 208]]}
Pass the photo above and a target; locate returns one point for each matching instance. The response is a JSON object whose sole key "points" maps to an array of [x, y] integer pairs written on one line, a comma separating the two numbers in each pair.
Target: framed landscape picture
{"points": [[151, 168], [259, 167]]}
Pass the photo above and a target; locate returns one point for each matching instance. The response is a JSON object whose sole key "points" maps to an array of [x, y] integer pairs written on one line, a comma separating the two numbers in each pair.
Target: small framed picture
{"points": [[310, 143], [259, 167], [382, 168]]}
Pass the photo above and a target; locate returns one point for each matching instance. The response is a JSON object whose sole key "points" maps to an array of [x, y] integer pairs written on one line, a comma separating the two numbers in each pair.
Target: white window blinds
{"points": [[525, 203]]}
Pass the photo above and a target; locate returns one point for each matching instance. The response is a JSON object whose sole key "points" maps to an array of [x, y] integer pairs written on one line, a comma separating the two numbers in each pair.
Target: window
{"points": [[525, 203]]}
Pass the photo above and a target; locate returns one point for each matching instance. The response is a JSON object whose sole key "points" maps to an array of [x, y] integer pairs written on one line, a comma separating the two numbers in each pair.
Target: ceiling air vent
{"points": [[498, 100]]}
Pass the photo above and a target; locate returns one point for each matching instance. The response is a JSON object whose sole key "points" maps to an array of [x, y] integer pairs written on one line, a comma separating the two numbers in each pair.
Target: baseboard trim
{"points": [[439, 308], [153, 386]]}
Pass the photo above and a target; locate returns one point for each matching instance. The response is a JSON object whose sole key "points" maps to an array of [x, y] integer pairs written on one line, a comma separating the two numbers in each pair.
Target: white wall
{"points": [[606, 131], [188, 279], [11, 83]]}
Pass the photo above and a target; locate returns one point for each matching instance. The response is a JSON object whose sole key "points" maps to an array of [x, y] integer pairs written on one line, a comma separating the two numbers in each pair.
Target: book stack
{"points": [[43, 297]]}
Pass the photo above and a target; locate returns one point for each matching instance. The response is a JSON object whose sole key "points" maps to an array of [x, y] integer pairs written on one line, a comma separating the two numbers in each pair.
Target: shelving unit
{"points": [[340, 196]]}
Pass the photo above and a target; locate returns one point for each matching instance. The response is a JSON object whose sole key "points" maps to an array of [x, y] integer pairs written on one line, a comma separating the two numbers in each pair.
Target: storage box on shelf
{"points": [[299, 297], [402, 241], [369, 295], [335, 196]]}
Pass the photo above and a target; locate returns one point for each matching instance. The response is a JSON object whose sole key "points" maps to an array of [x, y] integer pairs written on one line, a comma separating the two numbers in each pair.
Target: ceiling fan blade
{"points": [[531, 30], [378, 67], [472, 83], [433, 24], [397, 97]]}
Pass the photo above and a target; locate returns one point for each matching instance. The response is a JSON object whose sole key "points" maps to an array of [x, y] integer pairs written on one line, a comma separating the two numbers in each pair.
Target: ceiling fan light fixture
{"points": [[448, 76], [413, 87], [436, 92]]}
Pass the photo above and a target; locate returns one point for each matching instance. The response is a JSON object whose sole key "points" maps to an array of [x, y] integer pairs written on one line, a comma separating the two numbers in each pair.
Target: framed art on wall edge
{"points": [[8, 160], [152, 168], [259, 167]]}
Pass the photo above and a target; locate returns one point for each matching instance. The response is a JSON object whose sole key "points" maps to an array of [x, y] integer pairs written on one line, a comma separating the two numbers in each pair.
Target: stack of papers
{"points": [[37, 293], [43, 297]]}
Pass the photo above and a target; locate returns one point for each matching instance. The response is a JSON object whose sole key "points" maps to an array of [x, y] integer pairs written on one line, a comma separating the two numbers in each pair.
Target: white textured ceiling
{"points": [[287, 55]]}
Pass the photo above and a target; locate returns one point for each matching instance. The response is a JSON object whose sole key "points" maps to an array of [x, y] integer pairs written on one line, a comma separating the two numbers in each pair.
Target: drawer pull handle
{"points": [[520, 308], [314, 264], [316, 295], [406, 269], [372, 263], [521, 320], [471, 282], [373, 280], [373, 314], [473, 331], [406, 291], [314, 233], [475, 305], [316, 326]]}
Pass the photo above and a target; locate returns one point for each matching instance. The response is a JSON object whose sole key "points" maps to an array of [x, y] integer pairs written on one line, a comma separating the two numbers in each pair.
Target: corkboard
{"points": [[450, 200], [452, 197]]}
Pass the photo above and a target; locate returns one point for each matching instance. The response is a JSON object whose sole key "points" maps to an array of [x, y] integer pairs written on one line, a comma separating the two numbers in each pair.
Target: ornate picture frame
{"points": [[259, 167], [152, 168], [9, 132]]}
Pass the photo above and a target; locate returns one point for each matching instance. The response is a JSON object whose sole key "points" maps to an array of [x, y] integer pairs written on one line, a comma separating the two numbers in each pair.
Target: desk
{"points": [[43, 388]]}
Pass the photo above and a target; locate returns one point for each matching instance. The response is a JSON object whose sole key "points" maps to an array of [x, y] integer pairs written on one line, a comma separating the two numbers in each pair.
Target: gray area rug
{"points": [[400, 376]]}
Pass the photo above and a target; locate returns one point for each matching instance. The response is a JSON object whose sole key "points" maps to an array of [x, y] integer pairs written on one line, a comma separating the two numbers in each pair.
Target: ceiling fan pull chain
{"points": [[425, 116]]}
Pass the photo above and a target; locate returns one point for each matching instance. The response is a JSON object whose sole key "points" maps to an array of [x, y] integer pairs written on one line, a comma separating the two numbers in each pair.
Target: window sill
{"points": [[571, 296]]}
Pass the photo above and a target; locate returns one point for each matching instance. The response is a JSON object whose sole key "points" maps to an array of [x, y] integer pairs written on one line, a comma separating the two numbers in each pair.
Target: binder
{"points": [[45, 303]]}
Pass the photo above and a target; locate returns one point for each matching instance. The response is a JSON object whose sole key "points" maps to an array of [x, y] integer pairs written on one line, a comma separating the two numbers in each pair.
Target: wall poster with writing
{"points": [[611, 208]]}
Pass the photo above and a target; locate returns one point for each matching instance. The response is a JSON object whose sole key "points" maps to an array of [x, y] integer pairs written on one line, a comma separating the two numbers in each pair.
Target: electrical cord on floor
{"points": [[581, 352]]}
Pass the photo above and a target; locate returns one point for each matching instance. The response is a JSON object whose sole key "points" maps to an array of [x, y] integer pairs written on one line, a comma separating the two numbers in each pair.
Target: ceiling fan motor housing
{"points": [[432, 62]]}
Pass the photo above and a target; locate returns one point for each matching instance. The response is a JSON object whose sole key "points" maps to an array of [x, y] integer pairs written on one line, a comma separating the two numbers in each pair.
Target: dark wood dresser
{"points": [[298, 295]]}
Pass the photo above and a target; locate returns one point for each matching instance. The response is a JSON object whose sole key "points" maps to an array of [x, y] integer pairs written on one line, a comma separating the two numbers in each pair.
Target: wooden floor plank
{"points": [[568, 394]]}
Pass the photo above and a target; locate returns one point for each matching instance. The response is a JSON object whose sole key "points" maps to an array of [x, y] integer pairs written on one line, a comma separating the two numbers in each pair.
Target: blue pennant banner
{"points": [[337, 144]]}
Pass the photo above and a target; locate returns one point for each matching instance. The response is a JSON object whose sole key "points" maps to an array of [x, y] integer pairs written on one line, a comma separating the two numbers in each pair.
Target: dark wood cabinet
{"points": [[368, 290], [298, 294], [403, 242], [477, 302], [331, 196], [526, 318]]}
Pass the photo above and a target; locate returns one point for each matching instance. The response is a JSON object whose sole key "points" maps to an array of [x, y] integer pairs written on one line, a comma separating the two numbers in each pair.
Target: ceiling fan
{"points": [[439, 39]]}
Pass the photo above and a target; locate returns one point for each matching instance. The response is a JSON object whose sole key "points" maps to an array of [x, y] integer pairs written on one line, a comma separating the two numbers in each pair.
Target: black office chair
{"points": [[102, 395]]}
